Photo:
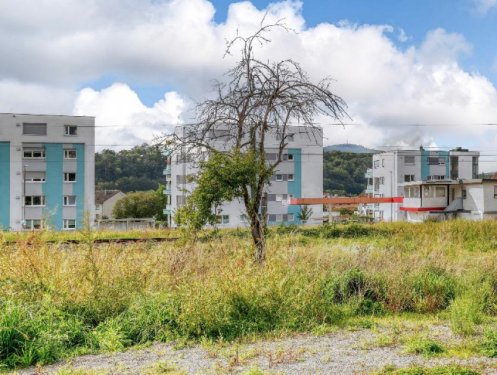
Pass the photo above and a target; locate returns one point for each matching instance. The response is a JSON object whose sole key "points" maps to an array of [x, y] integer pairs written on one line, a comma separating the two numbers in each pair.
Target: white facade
{"points": [[472, 199], [391, 170], [47, 171], [300, 175]]}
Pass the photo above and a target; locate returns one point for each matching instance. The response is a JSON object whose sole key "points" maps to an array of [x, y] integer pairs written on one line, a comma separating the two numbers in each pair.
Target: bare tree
{"points": [[256, 99]]}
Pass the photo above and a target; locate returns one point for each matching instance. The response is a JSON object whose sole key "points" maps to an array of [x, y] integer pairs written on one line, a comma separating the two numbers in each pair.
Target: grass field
{"points": [[58, 300]]}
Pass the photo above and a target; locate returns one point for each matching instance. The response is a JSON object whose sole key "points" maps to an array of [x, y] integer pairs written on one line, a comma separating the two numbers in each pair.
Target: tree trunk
{"points": [[259, 241]]}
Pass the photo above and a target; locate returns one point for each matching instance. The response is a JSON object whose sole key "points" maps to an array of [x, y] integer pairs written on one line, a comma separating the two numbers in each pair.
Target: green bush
{"points": [[489, 344], [433, 290], [424, 347], [37, 334]]}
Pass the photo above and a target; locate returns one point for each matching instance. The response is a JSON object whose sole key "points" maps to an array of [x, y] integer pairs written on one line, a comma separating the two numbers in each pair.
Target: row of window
{"points": [[411, 160], [283, 177], [225, 219], [274, 156], [41, 177], [35, 224], [38, 128], [40, 154], [40, 200]]}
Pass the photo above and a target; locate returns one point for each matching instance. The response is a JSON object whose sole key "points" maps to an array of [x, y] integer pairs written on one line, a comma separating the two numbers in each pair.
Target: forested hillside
{"points": [[344, 172], [130, 170], [141, 169]]}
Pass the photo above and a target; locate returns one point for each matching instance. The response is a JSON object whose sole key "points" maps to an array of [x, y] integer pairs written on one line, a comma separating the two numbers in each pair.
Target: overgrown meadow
{"points": [[59, 299]]}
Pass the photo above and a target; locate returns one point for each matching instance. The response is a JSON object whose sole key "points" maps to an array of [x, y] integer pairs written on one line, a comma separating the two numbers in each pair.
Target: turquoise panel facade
{"points": [[4, 185], [446, 156], [425, 168], [52, 188], [79, 185], [295, 186]]}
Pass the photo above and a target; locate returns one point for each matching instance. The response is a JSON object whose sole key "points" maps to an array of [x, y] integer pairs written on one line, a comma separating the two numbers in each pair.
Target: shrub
{"points": [[489, 344], [465, 313], [37, 334], [433, 290], [424, 347]]}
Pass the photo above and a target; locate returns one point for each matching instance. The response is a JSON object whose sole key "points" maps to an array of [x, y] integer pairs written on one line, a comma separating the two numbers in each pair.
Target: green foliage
{"points": [[465, 313], [56, 303], [37, 334], [433, 289], [221, 178], [489, 344], [440, 370], [424, 346], [137, 169], [344, 172], [305, 213], [140, 204]]}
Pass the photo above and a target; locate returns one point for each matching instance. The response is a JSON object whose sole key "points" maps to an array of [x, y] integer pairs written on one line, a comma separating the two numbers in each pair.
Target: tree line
{"points": [[141, 169]]}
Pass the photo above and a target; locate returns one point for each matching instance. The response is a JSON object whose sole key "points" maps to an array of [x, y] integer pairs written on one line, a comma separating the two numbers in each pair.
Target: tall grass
{"points": [[60, 299]]}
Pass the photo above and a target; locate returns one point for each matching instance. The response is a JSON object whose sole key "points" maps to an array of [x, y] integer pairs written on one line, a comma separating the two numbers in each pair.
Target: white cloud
{"points": [[483, 6], [177, 44], [24, 97], [122, 120]]}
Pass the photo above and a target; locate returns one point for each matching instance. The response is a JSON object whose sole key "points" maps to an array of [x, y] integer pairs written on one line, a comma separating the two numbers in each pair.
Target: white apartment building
{"points": [[473, 199], [394, 170], [47, 171], [300, 175]]}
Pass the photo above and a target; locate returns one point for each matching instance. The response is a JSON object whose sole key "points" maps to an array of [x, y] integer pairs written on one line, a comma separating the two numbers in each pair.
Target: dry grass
{"points": [[109, 296]]}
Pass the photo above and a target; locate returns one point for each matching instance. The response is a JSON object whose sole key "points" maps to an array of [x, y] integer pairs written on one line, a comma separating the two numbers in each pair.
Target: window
{"points": [[376, 163], [69, 177], [382, 162], [440, 192], [409, 160], [33, 224], [427, 192], [180, 179], [436, 160], [474, 171], [290, 217], [495, 192], [180, 200], [382, 180], [69, 200], [70, 130], [291, 177], [33, 154], [271, 218], [290, 157], [271, 156], [436, 177], [69, 154], [34, 200], [464, 194], [69, 224], [279, 177], [244, 218], [408, 177], [29, 128], [223, 219], [34, 176]]}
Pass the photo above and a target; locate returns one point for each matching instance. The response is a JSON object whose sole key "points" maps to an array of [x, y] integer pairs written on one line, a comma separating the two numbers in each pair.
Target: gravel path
{"points": [[343, 352]]}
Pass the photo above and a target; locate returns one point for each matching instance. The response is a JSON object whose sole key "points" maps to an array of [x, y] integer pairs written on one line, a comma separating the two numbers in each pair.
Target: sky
{"points": [[412, 72]]}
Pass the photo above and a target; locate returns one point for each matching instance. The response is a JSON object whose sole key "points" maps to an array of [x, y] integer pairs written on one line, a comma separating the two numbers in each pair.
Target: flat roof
{"points": [[41, 114]]}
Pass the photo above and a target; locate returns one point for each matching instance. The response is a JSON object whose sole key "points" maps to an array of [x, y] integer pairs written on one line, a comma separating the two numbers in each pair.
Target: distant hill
{"points": [[350, 147], [344, 172]]}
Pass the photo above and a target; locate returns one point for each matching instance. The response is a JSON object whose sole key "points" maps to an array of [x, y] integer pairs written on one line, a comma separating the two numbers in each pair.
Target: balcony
{"points": [[369, 189], [167, 170], [166, 211], [167, 190], [369, 173]]}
